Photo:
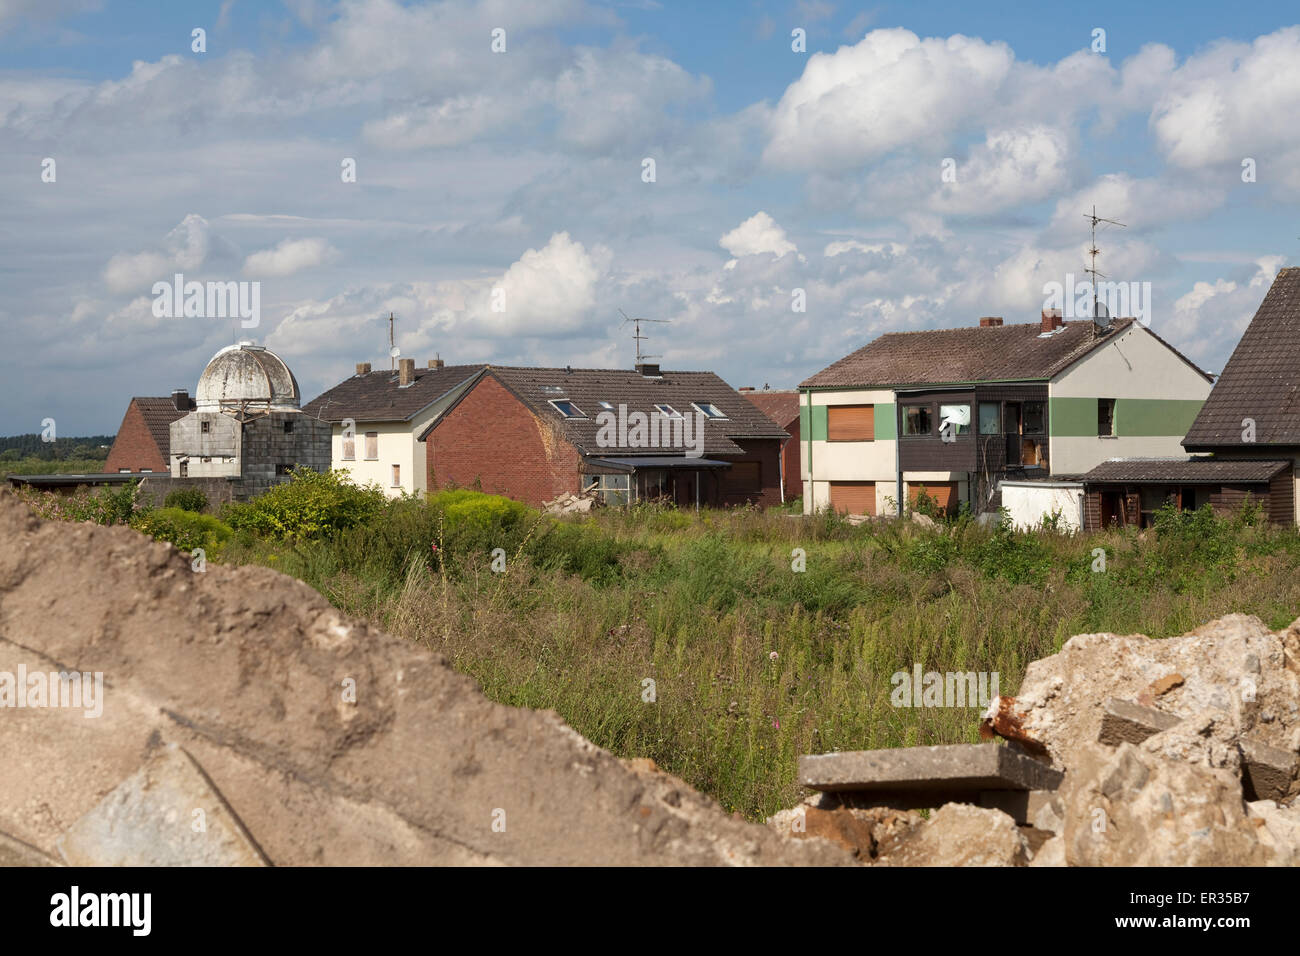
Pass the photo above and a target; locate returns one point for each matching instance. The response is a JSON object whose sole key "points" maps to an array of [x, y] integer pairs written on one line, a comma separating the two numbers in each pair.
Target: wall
{"points": [[822, 461], [1029, 503], [220, 445], [154, 489], [1157, 397], [767, 452], [491, 440], [267, 449], [134, 448]]}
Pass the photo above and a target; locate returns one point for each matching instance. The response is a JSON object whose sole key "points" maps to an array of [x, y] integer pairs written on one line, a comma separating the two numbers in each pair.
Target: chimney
{"points": [[648, 369], [405, 372], [436, 363], [181, 399], [1052, 320], [363, 368], [990, 321], [745, 388]]}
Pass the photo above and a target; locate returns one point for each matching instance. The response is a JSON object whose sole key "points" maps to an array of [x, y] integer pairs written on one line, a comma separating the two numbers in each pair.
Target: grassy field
{"points": [[46, 466], [752, 661]]}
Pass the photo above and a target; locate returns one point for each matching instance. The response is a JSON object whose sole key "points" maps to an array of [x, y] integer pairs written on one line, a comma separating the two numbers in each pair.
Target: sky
{"points": [[508, 178]]}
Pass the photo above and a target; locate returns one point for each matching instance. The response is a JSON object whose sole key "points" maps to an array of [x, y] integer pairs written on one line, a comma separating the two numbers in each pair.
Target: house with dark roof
{"points": [[627, 435], [378, 418], [957, 411], [782, 406], [143, 442], [1247, 434]]}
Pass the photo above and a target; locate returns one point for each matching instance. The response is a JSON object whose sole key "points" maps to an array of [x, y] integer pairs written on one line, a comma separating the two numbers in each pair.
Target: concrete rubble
{"points": [[569, 503]]}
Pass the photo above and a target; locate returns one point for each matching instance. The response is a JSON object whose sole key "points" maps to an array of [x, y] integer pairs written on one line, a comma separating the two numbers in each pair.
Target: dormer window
{"points": [[567, 408], [668, 411], [709, 410]]}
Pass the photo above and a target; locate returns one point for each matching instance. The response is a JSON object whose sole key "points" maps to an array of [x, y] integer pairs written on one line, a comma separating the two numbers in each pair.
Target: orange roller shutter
{"points": [[851, 423], [854, 497]]}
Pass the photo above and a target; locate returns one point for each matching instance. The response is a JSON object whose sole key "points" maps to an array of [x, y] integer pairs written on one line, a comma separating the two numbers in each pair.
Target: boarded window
{"points": [[743, 476], [349, 448], [851, 423], [854, 497], [944, 493], [397, 476], [372, 445]]}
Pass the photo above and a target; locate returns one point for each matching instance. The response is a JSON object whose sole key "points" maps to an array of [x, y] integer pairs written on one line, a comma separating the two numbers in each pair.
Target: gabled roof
{"points": [[536, 388], [1261, 380], [1186, 470], [780, 405], [158, 414], [378, 396], [1004, 353]]}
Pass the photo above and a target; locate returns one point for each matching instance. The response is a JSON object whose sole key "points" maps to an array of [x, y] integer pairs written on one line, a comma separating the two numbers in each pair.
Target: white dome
{"points": [[246, 374]]}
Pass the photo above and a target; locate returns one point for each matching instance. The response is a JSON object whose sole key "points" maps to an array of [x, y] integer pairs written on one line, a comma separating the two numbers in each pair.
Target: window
{"points": [[917, 420], [127, 471], [288, 428], [203, 427], [1035, 418], [990, 418], [185, 469], [668, 411], [1105, 417], [851, 423], [372, 446], [567, 408], [654, 484], [397, 476], [284, 469], [606, 405], [349, 448], [955, 418], [612, 489], [854, 497], [709, 409], [146, 471]]}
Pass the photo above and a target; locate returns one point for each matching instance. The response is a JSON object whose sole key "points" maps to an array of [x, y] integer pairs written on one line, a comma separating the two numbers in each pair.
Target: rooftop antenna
{"points": [[1093, 251], [393, 350], [636, 324]]}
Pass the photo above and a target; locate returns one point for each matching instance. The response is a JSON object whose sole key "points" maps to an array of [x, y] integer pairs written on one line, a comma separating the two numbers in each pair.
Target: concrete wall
{"points": [[822, 461], [211, 454], [1028, 503], [1157, 397]]}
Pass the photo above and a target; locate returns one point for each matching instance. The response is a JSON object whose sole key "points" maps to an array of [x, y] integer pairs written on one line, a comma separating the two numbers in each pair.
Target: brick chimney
{"points": [[745, 388], [1052, 320], [990, 321], [181, 399], [405, 372], [648, 369], [363, 368], [436, 363]]}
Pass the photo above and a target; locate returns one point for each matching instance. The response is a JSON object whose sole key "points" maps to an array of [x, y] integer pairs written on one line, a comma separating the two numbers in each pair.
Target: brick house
{"points": [[143, 441], [782, 406], [377, 418], [1248, 432], [535, 433], [958, 411]]}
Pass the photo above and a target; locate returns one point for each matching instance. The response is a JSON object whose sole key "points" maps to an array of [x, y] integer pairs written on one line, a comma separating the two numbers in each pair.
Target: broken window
{"points": [[990, 418], [955, 418], [612, 489], [1035, 418], [1105, 417], [917, 420], [288, 428], [203, 427]]}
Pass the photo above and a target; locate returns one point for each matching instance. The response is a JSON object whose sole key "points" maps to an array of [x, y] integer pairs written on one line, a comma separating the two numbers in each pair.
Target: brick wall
{"points": [[491, 439], [134, 447], [767, 452], [793, 483]]}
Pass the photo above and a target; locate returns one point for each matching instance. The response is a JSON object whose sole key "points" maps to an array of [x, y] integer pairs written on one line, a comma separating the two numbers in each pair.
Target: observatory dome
{"points": [[248, 375]]}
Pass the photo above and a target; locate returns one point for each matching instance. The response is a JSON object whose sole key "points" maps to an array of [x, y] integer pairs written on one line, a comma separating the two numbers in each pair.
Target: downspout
{"points": [[898, 455], [780, 462], [809, 504]]}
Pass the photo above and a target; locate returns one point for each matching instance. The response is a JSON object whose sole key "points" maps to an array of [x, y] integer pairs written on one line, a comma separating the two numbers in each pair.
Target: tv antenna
{"points": [[393, 350], [1093, 251], [636, 324]]}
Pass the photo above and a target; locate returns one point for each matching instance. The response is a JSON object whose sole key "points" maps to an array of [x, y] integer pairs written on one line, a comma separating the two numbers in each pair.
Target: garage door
{"points": [[945, 492], [854, 497]]}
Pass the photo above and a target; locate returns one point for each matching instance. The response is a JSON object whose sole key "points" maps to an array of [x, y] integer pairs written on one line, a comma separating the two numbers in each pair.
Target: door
{"points": [[1112, 509]]}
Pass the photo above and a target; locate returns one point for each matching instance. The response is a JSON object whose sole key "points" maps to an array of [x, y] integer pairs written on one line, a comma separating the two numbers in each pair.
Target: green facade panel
{"points": [[1134, 417], [886, 425]]}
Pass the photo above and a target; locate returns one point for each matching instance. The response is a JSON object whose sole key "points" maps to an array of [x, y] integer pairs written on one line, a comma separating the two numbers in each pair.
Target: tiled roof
{"points": [[158, 414], [1004, 353], [587, 388], [1186, 470], [780, 405], [377, 397], [1261, 380]]}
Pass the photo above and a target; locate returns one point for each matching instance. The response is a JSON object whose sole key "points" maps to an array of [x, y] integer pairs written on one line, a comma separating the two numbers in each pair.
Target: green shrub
{"points": [[311, 505], [185, 529], [187, 499], [108, 505]]}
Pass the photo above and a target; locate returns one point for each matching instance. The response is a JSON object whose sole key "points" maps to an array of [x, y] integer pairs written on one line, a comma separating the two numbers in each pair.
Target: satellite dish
{"points": [[394, 352], [1101, 316]]}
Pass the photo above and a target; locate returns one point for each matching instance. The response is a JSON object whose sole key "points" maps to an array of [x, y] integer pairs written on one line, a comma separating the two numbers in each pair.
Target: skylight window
{"points": [[552, 390], [606, 405], [668, 411], [709, 409], [567, 408]]}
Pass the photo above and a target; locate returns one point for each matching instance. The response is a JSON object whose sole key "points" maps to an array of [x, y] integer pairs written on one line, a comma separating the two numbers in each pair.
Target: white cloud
{"points": [[288, 257], [757, 235], [186, 247]]}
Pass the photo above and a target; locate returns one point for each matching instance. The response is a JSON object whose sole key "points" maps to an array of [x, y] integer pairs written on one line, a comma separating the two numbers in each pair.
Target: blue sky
{"points": [[520, 173]]}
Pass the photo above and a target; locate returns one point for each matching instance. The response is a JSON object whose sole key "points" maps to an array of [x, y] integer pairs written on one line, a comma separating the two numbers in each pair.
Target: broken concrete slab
{"points": [[168, 813], [1124, 721], [914, 777], [1023, 806], [1266, 772], [14, 852]]}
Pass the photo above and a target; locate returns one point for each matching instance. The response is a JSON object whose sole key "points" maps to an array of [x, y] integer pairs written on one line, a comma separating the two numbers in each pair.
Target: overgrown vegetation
{"points": [[749, 662]]}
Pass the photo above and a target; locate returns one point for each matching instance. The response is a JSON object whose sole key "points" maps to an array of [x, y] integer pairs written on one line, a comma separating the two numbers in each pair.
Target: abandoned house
{"points": [[378, 416], [957, 411], [782, 406], [625, 435], [143, 441]]}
